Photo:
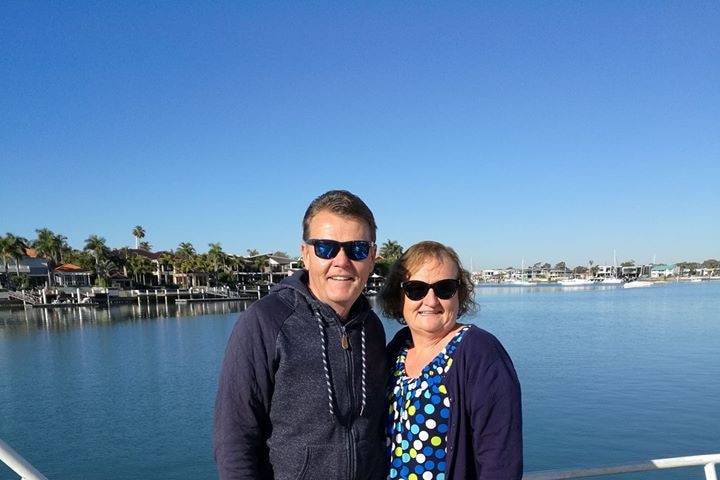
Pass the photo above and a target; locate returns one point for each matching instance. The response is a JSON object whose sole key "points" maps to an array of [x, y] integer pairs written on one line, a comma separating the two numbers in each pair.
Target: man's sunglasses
{"points": [[444, 289], [354, 249]]}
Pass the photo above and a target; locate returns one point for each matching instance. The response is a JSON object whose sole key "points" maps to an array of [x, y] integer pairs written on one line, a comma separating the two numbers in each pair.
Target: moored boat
{"points": [[638, 284], [576, 282]]}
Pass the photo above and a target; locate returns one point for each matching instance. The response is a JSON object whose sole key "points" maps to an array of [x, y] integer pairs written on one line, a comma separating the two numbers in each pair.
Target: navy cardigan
{"points": [[484, 440]]}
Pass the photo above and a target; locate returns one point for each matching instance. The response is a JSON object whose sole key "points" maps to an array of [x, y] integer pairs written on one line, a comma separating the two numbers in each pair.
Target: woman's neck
{"points": [[425, 348]]}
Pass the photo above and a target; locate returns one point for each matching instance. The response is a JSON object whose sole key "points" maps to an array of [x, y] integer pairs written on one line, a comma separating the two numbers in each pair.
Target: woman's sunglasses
{"points": [[444, 289], [354, 249]]}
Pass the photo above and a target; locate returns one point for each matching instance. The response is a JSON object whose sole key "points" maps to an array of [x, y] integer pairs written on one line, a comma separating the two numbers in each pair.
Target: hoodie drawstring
{"points": [[326, 366]]}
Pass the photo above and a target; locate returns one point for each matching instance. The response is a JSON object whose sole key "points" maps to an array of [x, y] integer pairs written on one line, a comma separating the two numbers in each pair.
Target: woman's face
{"points": [[432, 316]]}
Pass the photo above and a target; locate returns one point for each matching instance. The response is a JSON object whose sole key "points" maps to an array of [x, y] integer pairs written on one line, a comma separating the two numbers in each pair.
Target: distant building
{"points": [[664, 271], [69, 275]]}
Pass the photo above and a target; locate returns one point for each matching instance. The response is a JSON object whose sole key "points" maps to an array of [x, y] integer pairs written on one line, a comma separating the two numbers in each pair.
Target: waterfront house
{"points": [[70, 275], [30, 265], [278, 267], [664, 271], [631, 272]]}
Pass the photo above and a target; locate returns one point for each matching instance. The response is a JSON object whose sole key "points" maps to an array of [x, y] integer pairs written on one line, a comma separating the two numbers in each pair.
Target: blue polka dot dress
{"points": [[418, 417]]}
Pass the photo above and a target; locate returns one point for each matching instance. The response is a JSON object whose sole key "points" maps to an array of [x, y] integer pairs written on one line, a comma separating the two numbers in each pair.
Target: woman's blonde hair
{"points": [[392, 296]]}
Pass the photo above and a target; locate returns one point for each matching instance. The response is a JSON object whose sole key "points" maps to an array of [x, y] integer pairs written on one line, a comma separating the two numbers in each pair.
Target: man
{"points": [[302, 387]]}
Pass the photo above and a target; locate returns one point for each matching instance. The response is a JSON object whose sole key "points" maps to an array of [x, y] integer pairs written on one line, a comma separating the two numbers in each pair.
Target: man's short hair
{"points": [[342, 203]]}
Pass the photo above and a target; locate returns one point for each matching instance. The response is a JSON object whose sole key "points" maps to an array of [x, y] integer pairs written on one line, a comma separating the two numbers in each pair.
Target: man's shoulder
{"points": [[274, 307]]}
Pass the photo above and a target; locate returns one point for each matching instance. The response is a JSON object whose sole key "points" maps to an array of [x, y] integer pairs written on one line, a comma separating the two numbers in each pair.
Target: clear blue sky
{"points": [[536, 131]]}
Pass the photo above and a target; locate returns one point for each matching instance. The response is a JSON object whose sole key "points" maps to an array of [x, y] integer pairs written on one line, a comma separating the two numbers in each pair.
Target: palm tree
{"points": [[5, 252], [104, 269], [50, 245], [165, 260], [97, 246], [216, 257], [138, 232], [185, 250], [184, 258], [12, 247], [391, 250], [145, 245], [140, 265]]}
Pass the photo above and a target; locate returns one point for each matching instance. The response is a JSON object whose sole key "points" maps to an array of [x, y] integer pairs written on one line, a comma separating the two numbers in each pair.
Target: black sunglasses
{"points": [[444, 289], [354, 249]]}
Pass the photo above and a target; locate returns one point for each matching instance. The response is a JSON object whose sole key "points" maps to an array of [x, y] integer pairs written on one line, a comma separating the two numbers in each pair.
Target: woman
{"points": [[454, 396]]}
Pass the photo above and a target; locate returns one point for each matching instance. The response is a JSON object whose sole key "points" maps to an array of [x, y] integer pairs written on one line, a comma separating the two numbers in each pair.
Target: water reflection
{"points": [[25, 320]]}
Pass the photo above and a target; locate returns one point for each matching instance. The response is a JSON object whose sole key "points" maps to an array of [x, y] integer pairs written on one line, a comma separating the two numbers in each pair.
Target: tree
{"points": [[217, 258], [138, 232], [139, 266], [391, 250], [97, 246], [185, 250], [145, 245], [711, 263], [256, 261], [103, 270], [164, 263], [560, 266], [50, 245], [628, 263], [12, 248], [185, 259]]}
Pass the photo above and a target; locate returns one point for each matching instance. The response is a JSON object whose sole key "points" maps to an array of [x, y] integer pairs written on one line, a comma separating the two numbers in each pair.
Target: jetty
{"points": [[107, 297]]}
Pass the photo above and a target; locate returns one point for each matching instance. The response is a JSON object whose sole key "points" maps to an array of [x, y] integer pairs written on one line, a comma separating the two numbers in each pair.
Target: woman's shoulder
{"points": [[478, 341], [478, 334]]}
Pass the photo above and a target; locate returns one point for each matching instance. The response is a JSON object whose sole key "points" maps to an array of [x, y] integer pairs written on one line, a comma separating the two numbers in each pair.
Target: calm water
{"points": [[609, 376]]}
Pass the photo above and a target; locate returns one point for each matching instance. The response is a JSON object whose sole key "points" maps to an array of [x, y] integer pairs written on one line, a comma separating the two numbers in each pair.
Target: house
{"points": [[664, 271], [70, 275], [632, 272], [279, 267], [606, 271], [32, 266]]}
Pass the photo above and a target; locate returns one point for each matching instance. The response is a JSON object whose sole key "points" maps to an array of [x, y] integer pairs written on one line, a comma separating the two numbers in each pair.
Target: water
{"points": [[609, 376]]}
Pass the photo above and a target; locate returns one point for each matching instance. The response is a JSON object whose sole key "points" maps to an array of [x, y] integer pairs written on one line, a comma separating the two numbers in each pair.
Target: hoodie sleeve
{"points": [[241, 425]]}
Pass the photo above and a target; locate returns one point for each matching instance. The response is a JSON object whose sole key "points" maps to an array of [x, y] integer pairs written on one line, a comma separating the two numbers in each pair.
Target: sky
{"points": [[510, 131]]}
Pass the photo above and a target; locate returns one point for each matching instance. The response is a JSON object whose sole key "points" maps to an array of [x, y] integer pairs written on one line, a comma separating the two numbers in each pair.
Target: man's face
{"points": [[337, 281]]}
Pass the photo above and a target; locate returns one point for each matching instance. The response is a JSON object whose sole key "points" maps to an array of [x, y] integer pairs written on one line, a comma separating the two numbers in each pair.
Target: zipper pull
{"points": [[345, 341]]}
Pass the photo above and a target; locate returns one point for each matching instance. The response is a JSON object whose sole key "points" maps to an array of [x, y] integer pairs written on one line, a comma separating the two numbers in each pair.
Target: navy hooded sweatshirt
{"points": [[302, 394]]}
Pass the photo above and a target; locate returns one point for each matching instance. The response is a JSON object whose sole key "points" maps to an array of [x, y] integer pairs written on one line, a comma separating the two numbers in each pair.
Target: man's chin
{"points": [[344, 295]]}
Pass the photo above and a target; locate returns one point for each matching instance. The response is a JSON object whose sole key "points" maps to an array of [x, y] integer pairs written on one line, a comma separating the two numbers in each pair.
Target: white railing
{"points": [[707, 461], [27, 472], [18, 464]]}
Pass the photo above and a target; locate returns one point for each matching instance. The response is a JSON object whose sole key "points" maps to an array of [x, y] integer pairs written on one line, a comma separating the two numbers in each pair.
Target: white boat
{"points": [[638, 284], [518, 283], [576, 282]]}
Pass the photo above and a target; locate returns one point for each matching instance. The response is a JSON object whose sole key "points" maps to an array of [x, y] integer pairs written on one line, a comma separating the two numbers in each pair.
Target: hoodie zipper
{"points": [[345, 344]]}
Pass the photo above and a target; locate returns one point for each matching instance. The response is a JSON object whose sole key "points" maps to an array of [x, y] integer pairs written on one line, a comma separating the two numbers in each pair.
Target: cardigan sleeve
{"points": [[493, 402]]}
